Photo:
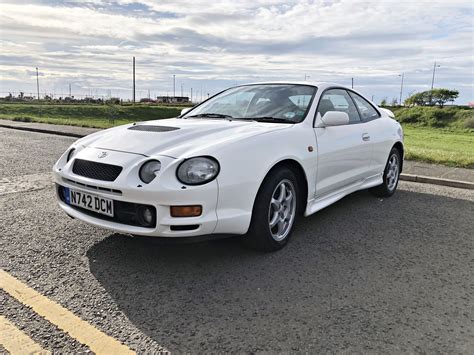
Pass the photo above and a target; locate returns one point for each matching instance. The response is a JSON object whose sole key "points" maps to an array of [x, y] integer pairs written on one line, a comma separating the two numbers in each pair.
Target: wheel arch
{"points": [[300, 173], [399, 146]]}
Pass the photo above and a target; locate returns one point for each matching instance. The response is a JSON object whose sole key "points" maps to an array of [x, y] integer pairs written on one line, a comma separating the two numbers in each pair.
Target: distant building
{"points": [[172, 99]]}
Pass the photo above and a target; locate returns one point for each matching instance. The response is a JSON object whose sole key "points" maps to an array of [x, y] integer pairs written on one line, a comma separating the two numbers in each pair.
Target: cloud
{"points": [[215, 44]]}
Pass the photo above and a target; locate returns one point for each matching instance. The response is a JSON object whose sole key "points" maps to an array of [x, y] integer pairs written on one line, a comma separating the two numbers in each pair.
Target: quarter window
{"points": [[366, 110], [338, 100]]}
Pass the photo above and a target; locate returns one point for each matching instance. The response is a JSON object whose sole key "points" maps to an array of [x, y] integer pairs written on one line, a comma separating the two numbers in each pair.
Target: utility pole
{"points": [[352, 83], [401, 89], [174, 85], [191, 94], [306, 76], [133, 79], [37, 83], [148, 94], [182, 94], [69, 90]]}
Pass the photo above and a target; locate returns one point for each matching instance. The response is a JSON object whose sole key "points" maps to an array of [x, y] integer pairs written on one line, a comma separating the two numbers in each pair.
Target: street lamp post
{"points": [[432, 81], [401, 88], [133, 94], [434, 71], [174, 85], [37, 84]]}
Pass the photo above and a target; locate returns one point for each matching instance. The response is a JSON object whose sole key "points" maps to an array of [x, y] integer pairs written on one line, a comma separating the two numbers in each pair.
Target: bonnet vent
{"points": [[150, 128]]}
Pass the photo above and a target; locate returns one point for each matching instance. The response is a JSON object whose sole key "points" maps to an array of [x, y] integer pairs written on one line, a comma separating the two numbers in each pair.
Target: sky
{"points": [[212, 45]]}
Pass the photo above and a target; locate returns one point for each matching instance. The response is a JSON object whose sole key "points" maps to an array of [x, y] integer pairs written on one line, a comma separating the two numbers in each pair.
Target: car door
{"points": [[343, 153], [376, 131]]}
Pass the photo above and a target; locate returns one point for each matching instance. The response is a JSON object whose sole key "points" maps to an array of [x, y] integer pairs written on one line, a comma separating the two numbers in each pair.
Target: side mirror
{"points": [[335, 118], [184, 110]]}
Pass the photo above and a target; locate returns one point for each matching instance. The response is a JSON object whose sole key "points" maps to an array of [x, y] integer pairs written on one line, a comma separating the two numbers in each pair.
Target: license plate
{"points": [[90, 202]]}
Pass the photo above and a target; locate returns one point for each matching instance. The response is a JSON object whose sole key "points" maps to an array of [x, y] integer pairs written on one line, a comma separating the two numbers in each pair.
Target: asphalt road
{"points": [[363, 276]]}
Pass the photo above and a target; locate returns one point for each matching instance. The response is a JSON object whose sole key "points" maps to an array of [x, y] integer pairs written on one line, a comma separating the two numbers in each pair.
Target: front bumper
{"points": [[225, 208], [128, 190], [165, 226]]}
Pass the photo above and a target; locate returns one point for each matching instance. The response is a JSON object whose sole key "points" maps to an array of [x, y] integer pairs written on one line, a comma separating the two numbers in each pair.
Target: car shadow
{"points": [[359, 276]]}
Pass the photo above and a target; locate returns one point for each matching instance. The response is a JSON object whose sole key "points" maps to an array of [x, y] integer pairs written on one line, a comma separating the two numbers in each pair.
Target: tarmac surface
{"points": [[364, 275]]}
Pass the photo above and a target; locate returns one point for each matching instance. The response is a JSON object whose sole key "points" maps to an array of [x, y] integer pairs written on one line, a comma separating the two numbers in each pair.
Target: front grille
{"points": [[96, 171]]}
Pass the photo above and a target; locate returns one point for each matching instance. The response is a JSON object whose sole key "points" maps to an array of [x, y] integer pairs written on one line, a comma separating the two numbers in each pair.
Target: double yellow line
{"points": [[17, 342]]}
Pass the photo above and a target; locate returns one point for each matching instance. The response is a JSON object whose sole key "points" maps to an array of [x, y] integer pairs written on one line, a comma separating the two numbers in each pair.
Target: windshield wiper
{"points": [[209, 115], [273, 119]]}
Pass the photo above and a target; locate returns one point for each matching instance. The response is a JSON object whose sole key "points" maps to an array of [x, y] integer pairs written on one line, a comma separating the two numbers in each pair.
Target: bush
{"points": [[469, 123], [455, 116]]}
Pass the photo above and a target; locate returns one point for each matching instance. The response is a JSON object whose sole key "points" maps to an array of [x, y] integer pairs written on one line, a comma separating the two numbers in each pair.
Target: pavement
{"points": [[412, 170], [62, 130], [365, 275]]}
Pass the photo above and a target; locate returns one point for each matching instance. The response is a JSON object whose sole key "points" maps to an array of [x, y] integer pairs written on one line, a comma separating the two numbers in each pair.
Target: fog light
{"points": [[145, 216], [185, 211]]}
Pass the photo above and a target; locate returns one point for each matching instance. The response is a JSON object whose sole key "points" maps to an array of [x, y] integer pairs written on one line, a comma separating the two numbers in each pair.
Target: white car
{"points": [[248, 161]]}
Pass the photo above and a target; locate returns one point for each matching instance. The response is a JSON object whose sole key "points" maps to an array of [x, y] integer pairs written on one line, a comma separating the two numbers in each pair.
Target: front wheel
{"points": [[274, 212], [391, 176]]}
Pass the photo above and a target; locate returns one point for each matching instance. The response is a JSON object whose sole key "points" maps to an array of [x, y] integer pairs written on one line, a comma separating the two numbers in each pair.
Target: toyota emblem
{"points": [[102, 155]]}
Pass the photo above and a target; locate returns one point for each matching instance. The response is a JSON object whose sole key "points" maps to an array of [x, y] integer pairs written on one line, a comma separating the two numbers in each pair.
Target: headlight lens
{"points": [[149, 170], [70, 154], [197, 171]]}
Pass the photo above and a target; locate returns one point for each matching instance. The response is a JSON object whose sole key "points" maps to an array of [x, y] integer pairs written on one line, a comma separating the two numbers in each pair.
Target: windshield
{"points": [[268, 102]]}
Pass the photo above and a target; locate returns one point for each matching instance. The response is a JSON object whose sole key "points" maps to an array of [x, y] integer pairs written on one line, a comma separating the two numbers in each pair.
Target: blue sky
{"points": [[210, 45]]}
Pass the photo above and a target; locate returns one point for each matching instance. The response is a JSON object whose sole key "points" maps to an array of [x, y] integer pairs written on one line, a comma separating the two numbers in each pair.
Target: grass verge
{"points": [[439, 146], [433, 135], [100, 116]]}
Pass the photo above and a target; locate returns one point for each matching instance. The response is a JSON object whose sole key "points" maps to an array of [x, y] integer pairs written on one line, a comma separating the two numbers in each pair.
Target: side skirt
{"points": [[319, 203]]}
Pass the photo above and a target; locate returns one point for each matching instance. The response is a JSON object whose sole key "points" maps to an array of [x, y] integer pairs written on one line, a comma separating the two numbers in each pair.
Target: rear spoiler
{"points": [[388, 112]]}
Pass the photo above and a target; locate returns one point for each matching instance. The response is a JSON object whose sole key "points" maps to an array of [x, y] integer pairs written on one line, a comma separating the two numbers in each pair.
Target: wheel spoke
{"points": [[275, 203], [281, 225], [282, 195], [274, 220]]}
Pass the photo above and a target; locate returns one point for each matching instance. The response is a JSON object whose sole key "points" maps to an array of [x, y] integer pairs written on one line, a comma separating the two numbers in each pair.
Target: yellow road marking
{"points": [[17, 342], [80, 330]]}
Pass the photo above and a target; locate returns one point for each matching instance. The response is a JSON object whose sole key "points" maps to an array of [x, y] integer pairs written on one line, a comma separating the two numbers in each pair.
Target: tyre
{"points": [[274, 213], [390, 176]]}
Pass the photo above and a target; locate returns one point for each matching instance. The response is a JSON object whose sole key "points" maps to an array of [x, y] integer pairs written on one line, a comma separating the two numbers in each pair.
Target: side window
{"points": [[366, 110], [338, 100]]}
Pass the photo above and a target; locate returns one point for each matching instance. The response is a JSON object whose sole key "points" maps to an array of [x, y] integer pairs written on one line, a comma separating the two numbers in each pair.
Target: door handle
{"points": [[365, 137]]}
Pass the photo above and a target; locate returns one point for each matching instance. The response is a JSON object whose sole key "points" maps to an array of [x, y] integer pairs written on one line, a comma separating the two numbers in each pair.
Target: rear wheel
{"points": [[390, 176], [274, 212]]}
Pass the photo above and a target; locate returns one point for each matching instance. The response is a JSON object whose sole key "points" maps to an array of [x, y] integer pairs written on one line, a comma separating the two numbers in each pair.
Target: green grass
{"points": [[433, 135], [100, 116], [440, 146]]}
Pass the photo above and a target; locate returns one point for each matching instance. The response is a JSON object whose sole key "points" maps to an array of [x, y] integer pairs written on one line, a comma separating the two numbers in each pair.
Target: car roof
{"points": [[319, 84]]}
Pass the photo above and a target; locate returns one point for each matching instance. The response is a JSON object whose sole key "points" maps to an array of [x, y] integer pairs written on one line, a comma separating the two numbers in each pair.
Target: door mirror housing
{"points": [[184, 110], [334, 118]]}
